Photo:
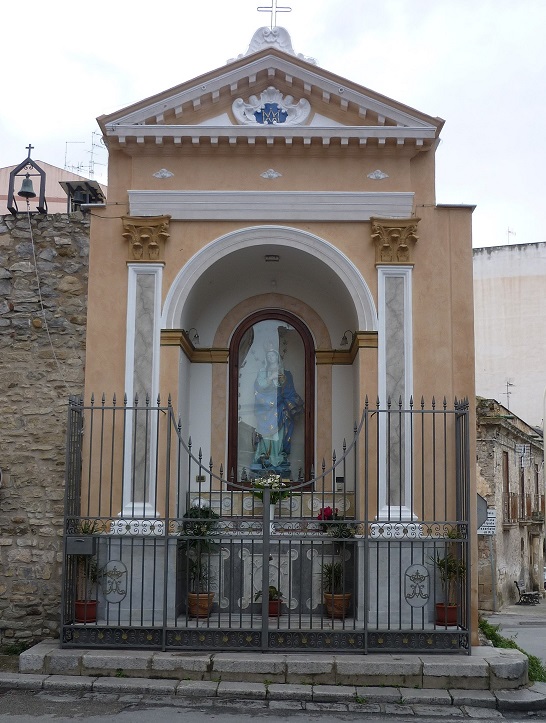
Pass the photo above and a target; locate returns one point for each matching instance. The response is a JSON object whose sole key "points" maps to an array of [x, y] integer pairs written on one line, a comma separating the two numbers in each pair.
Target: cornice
{"points": [[361, 340], [138, 136], [179, 338]]}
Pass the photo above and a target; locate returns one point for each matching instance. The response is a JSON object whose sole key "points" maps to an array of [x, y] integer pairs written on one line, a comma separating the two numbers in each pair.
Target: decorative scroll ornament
{"points": [[378, 175], [271, 108], [394, 239], [270, 174], [272, 38], [163, 173], [146, 236]]}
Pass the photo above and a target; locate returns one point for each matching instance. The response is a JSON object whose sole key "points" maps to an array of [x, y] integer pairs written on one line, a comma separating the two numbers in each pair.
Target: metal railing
{"points": [[162, 551]]}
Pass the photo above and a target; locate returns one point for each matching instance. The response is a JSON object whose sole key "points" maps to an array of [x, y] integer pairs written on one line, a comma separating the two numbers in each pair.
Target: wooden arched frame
{"points": [[309, 394]]}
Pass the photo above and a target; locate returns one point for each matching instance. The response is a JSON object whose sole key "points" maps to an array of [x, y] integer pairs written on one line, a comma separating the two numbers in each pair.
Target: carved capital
{"points": [[146, 236], [394, 239]]}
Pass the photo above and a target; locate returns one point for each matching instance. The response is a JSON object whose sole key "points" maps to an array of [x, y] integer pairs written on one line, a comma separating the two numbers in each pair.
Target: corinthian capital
{"points": [[394, 239], [146, 236]]}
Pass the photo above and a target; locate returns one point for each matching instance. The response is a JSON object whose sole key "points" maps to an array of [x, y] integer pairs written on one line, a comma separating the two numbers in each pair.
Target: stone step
{"points": [[486, 668]]}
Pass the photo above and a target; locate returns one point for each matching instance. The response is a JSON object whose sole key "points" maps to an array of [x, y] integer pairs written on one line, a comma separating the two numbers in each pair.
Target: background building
{"points": [[510, 327], [510, 475]]}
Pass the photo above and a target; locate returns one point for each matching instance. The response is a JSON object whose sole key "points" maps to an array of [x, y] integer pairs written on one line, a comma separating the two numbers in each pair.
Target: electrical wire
{"points": [[41, 301]]}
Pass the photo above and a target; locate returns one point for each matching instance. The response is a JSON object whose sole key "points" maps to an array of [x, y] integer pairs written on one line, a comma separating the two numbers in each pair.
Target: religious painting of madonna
{"points": [[271, 392]]}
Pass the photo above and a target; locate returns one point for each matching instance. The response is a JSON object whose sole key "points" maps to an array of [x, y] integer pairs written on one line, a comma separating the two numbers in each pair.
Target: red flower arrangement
{"points": [[334, 524]]}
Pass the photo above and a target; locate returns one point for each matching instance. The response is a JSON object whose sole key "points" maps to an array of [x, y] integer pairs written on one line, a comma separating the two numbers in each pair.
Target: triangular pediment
{"points": [[316, 104]]}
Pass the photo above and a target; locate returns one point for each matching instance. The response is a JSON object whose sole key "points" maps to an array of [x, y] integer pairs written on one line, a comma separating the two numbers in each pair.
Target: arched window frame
{"points": [[309, 393]]}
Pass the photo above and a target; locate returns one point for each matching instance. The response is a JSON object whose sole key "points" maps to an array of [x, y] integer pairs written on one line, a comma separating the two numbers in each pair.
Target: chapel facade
{"points": [[272, 272]]}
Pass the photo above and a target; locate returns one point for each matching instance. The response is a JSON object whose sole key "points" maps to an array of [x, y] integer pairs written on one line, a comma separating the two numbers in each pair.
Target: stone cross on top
{"points": [[274, 9]]}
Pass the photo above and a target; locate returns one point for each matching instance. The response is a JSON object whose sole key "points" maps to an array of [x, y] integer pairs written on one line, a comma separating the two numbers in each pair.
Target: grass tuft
{"points": [[537, 670]]}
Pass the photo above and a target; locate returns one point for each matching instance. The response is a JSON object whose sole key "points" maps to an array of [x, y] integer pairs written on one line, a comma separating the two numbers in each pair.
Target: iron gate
{"points": [[357, 558]]}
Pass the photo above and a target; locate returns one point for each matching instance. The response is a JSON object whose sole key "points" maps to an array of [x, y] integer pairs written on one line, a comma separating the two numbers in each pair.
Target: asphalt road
{"points": [[18, 706], [526, 624]]}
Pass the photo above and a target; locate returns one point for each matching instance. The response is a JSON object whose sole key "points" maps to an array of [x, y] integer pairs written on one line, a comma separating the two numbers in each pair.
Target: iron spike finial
{"points": [[147, 402], [433, 403], [169, 400], [158, 400], [411, 401], [366, 402], [125, 399], [92, 399], [422, 402], [103, 399], [114, 400], [189, 440], [136, 399]]}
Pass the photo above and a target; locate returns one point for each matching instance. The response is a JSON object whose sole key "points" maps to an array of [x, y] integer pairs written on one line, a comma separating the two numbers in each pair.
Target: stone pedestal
{"points": [[400, 583], [132, 580]]}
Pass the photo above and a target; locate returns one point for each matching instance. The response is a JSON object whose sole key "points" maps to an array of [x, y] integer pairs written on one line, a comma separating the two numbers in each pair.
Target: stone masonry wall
{"points": [[42, 354]]}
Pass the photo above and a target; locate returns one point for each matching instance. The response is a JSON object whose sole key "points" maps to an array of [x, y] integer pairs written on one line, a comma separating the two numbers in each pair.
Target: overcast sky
{"points": [[478, 64]]}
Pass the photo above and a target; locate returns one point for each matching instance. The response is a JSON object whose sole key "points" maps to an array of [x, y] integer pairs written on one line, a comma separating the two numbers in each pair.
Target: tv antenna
{"points": [[508, 393]]}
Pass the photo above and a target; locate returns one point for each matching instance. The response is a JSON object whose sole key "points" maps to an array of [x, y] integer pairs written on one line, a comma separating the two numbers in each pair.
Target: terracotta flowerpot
{"points": [[337, 605], [200, 604], [446, 614], [274, 608], [85, 611]]}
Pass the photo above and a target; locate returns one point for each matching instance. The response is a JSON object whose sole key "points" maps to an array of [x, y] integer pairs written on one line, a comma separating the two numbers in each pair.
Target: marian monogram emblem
{"points": [[417, 586], [270, 108], [270, 113]]}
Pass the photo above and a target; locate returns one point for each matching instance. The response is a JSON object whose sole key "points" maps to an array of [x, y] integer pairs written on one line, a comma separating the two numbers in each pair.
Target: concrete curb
{"points": [[392, 700]]}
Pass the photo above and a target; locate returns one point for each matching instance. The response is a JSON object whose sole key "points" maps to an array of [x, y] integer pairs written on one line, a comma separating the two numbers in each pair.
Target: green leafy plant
{"points": [[451, 569], [200, 525], [274, 594], [333, 577], [536, 669], [201, 521]]}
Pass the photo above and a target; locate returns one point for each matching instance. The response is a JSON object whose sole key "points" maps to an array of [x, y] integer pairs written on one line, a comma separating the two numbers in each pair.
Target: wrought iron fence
{"points": [[163, 551]]}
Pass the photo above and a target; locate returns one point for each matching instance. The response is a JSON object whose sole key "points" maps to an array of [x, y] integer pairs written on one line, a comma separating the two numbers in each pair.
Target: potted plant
{"points": [[336, 599], [451, 568], [274, 601], [200, 526], [87, 572]]}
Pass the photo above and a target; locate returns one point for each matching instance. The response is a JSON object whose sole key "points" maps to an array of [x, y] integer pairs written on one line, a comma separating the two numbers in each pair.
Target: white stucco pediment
{"points": [[308, 97]]}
